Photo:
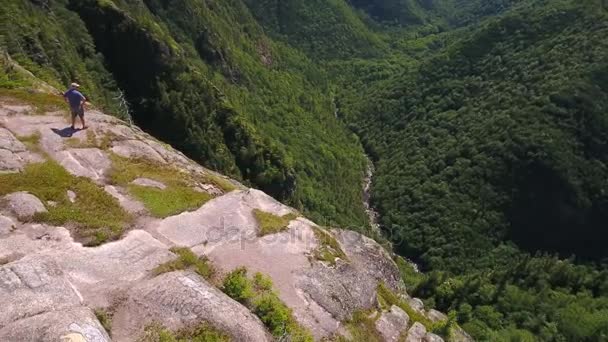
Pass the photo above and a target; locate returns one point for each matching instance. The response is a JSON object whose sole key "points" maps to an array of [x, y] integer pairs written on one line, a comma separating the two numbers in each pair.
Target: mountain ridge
{"points": [[134, 276]]}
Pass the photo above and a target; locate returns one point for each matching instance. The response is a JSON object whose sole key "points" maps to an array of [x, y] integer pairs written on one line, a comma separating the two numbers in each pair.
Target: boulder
{"points": [[416, 304], [23, 205], [430, 337], [183, 299], [436, 316], [71, 325], [416, 333], [391, 324], [150, 183]]}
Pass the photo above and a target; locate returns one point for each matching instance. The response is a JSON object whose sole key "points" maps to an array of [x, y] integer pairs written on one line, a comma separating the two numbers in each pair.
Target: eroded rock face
{"points": [[391, 324], [23, 205], [182, 299]]}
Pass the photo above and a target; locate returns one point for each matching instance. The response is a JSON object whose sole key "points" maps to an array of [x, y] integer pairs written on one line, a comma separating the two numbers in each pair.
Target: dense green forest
{"points": [[487, 122], [491, 156]]}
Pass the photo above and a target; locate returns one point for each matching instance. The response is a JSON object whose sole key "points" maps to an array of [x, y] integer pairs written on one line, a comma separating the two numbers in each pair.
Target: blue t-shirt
{"points": [[74, 97]]}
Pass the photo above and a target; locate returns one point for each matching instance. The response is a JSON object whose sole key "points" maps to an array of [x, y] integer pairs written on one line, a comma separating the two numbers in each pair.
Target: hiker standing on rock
{"points": [[76, 101]]}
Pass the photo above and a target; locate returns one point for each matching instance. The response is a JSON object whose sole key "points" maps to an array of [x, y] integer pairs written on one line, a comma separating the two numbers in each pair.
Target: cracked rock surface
{"points": [[51, 285]]}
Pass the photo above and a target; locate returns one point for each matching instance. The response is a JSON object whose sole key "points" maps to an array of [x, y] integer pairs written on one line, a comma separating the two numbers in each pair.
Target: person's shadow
{"points": [[64, 132]]}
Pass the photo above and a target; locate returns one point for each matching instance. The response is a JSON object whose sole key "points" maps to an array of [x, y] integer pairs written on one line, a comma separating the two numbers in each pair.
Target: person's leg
{"points": [[73, 119], [82, 118]]}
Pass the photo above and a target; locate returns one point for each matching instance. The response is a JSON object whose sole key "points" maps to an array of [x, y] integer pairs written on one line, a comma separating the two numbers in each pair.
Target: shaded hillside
{"points": [[322, 28]]}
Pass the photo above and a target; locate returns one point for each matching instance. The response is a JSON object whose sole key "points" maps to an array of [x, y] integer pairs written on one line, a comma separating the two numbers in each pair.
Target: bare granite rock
{"points": [[10, 162], [32, 286], [430, 337], [391, 324], [181, 299], [128, 203], [92, 163], [70, 325], [6, 225], [416, 304], [23, 205], [71, 196], [149, 183], [9, 142], [436, 316], [416, 333], [137, 149]]}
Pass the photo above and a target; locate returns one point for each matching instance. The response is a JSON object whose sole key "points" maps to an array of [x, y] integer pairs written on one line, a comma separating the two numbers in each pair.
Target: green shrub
{"points": [[200, 333], [259, 297], [409, 275], [272, 312], [237, 286], [261, 282]]}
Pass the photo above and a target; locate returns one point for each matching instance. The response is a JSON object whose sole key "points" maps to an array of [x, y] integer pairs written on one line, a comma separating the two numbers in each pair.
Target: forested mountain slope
{"points": [[491, 163], [202, 76], [487, 122]]}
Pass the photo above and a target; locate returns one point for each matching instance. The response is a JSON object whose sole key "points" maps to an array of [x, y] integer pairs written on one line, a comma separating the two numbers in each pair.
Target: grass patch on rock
{"points": [[44, 102], [220, 182], [32, 142], [362, 328], [97, 216], [258, 295], [105, 318], [272, 224], [179, 195], [329, 249], [200, 333], [187, 260], [92, 141]]}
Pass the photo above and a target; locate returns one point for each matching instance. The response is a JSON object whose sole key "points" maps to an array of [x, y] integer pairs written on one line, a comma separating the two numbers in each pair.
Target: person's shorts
{"points": [[77, 111]]}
